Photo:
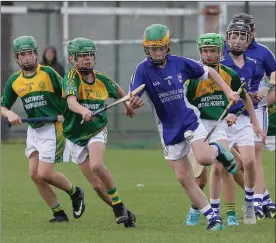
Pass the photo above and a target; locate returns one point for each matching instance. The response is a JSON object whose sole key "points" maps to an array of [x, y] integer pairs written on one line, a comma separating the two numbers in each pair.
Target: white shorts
{"points": [[241, 133], [219, 134], [270, 143], [49, 142], [262, 117], [178, 151], [80, 153]]}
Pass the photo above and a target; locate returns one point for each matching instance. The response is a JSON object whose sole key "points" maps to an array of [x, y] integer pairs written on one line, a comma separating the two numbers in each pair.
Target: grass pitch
{"points": [[160, 205]]}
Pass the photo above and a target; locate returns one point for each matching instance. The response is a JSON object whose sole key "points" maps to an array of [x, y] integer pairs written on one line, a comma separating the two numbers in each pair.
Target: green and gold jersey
{"points": [[93, 97], [272, 120], [209, 97], [40, 93]]}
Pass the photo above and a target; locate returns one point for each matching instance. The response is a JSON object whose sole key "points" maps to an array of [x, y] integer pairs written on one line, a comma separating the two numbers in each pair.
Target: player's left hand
{"points": [[128, 110], [231, 119], [259, 131], [135, 102], [233, 96]]}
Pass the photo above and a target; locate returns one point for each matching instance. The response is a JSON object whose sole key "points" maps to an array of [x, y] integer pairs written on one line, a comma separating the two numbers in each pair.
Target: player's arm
{"points": [[115, 91], [255, 96], [217, 79], [7, 100], [70, 93], [269, 63], [201, 72], [271, 98], [248, 105], [137, 79]]}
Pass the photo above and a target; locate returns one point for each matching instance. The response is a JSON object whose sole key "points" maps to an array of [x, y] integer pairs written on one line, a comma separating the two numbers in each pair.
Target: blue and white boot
{"points": [[193, 217]]}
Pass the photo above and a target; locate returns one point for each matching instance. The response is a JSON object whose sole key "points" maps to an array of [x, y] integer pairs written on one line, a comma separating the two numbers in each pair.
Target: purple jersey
{"points": [[164, 86], [265, 65], [247, 73]]}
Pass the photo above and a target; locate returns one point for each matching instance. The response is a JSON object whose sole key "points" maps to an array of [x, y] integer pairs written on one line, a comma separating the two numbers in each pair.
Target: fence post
{"points": [[117, 65], [6, 34]]}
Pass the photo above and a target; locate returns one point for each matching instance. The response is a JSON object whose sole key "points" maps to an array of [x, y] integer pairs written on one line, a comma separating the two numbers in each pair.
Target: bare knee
{"points": [[45, 174], [96, 167], [185, 180], [97, 187], [34, 176], [203, 160], [249, 163]]}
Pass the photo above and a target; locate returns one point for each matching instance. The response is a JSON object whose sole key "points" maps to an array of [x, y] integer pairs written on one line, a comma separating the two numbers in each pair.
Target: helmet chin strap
{"points": [[212, 65], [236, 53], [28, 68], [158, 62], [86, 71]]}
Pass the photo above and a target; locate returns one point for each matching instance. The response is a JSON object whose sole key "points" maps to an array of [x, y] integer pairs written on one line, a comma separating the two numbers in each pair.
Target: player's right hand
{"points": [[87, 116], [255, 97], [233, 96], [231, 119], [13, 118], [135, 102]]}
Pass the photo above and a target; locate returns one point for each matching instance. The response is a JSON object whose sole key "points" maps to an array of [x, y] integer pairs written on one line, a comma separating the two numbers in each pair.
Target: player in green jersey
{"points": [[86, 90], [40, 89], [211, 102]]}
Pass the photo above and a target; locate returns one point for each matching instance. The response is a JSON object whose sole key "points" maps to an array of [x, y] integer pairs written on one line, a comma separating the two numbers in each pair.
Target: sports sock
{"points": [[215, 203], [258, 202], [72, 191], [249, 194], [230, 209], [57, 208], [209, 213], [114, 196]]}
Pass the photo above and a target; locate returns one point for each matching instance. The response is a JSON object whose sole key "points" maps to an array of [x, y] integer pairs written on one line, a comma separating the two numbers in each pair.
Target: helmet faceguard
{"points": [[210, 48], [83, 53], [238, 37], [25, 52]]}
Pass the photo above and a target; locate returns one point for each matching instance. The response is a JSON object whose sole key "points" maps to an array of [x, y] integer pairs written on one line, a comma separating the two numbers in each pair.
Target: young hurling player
{"points": [[177, 120], [211, 102], [266, 64], [39, 88], [86, 90]]}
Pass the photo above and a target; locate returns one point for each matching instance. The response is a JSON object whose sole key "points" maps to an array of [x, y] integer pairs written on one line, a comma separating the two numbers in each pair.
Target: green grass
{"points": [[160, 205]]}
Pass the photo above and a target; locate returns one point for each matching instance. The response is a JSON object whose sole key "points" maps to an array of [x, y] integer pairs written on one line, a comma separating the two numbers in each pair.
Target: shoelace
{"points": [[249, 212], [194, 217], [232, 219]]}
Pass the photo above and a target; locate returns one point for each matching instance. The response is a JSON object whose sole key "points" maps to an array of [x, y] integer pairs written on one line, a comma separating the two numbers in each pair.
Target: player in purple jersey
{"points": [[266, 64], [177, 120], [241, 134]]}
